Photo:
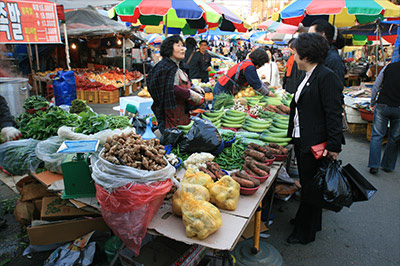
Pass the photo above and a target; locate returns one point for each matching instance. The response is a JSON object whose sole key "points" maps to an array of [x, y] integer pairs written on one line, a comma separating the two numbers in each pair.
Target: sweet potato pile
{"points": [[131, 150]]}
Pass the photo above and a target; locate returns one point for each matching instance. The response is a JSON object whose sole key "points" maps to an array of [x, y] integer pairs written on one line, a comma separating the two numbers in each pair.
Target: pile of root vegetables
{"points": [[131, 150]]}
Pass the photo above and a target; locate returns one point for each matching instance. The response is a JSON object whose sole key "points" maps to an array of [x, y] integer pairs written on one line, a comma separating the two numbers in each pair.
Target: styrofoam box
{"points": [[143, 105], [351, 101], [353, 115]]}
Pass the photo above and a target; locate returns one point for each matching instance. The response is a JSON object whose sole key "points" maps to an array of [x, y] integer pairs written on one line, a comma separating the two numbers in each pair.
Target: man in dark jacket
{"points": [[386, 109], [198, 66]]}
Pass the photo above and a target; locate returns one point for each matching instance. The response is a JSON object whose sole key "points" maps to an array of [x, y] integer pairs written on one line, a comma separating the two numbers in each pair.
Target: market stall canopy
{"points": [[88, 22], [185, 15], [75, 4], [218, 32], [230, 21], [28, 21], [388, 30], [342, 13]]}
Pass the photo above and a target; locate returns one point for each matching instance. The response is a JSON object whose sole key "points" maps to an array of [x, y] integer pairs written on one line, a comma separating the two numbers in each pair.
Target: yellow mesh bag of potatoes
{"points": [[198, 192], [200, 217], [195, 177], [225, 193]]}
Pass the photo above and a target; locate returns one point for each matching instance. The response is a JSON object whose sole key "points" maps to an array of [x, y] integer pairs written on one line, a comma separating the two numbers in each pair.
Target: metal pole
{"points": [[257, 225], [166, 26], [32, 70], [38, 66], [123, 61], [37, 58], [66, 47]]}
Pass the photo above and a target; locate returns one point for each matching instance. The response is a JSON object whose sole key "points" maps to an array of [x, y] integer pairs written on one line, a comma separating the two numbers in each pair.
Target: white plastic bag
{"points": [[111, 176], [68, 133], [46, 151]]}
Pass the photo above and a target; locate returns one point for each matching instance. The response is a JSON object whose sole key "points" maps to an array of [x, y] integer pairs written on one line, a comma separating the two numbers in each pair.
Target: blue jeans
{"points": [[382, 115]]}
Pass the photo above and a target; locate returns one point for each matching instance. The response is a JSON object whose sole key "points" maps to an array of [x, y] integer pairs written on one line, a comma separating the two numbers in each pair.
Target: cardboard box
{"points": [[64, 231], [47, 178], [143, 105], [55, 208]]}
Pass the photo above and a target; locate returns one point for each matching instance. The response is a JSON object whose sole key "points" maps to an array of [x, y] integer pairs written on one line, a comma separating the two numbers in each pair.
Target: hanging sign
{"points": [[28, 22]]}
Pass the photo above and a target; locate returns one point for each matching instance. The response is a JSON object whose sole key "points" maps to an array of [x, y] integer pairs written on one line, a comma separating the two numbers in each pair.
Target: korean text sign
{"points": [[28, 22]]}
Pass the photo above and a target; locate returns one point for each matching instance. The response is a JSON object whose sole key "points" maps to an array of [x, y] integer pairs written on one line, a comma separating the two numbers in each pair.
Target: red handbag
{"points": [[318, 150]]}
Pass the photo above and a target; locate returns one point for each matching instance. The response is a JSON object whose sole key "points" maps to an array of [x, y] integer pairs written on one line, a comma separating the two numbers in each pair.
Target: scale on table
{"points": [[75, 167]]}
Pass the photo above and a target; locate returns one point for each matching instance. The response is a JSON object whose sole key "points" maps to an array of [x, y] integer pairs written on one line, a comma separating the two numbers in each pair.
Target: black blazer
{"points": [[320, 111]]}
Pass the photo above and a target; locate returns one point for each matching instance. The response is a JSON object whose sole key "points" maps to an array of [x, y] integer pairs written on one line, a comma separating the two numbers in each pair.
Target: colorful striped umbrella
{"points": [[342, 13], [154, 38], [278, 27], [230, 21], [187, 15]]}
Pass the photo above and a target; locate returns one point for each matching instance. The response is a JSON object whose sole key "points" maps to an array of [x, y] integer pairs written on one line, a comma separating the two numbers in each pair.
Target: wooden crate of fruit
{"points": [[92, 96], [80, 94], [108, 96]]}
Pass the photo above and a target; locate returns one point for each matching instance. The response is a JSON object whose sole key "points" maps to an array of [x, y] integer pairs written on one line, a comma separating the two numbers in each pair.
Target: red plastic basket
{"points": [[366, 115]]}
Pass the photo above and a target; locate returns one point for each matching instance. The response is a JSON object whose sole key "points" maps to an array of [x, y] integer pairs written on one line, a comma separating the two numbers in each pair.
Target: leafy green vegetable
{"points": [[223, 100], [35, 102], [78, 106], [44, 124], [91, 123]]}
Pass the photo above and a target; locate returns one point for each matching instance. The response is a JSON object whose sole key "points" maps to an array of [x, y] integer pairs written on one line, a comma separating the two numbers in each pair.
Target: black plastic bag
{"points": [[139, 124], [336, 189], [329, 188], [361, 188], [172, 136], [203, 136]]}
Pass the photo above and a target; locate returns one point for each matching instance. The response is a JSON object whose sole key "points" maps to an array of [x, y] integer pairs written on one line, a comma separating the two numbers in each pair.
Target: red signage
{"points": [[28, 22]]}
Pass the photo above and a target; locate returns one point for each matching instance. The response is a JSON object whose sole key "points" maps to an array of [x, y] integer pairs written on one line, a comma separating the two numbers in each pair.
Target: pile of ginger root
{"points": [[131, 150]]}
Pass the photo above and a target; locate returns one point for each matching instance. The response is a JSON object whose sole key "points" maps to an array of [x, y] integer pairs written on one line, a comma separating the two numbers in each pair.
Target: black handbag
{"points": [[362, 189]]}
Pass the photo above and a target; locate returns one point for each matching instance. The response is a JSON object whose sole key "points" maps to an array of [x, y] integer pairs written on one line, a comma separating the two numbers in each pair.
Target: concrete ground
{"points": [[366, 234]]}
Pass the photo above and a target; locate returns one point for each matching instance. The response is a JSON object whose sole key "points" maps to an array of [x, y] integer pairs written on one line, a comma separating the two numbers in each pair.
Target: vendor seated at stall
{"points": [[170, 87], [243, 74]]}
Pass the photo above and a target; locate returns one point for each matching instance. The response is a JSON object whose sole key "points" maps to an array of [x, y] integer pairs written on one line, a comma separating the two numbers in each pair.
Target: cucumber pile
{"points": [[233, 119], [256, 125], [277, 132], [214, 117]]}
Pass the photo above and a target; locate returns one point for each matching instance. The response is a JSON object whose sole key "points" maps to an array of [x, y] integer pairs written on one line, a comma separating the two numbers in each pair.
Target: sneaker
{"points": [[373, 170], [386, 170]]}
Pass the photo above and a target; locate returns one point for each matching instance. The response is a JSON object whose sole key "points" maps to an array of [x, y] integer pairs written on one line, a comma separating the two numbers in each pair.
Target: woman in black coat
{"points": [[316, 117]]}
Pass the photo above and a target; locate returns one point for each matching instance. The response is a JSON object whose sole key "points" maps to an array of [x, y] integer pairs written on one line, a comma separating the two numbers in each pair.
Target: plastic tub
{"points": [[220, 148], [262, 179], [280, 158], [229, 143], [248, 191], [226, 172], [179, 163], [366, 115], [269, 161]]}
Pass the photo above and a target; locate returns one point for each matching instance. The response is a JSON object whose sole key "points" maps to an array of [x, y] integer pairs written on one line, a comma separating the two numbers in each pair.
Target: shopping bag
{"points": [[329, 188], [336, 188], [362, 189], [64, 87]]}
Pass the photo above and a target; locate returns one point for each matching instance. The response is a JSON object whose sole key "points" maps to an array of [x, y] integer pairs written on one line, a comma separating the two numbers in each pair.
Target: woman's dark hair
{"points": [[259, 57], [311, 46], [270, 49], [323, 26], [167, 46], [190, 42]]}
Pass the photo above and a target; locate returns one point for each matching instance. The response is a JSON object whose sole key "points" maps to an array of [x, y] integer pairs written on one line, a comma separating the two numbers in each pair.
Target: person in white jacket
{"points": [[269, 72]]}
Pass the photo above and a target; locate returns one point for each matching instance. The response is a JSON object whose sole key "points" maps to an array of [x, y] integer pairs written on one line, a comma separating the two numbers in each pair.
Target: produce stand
{"points": [[233, 222]]}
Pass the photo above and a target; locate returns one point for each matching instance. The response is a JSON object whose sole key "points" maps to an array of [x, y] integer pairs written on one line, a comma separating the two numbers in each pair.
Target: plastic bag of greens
{"points": [[47, 152], [18, 157]]}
